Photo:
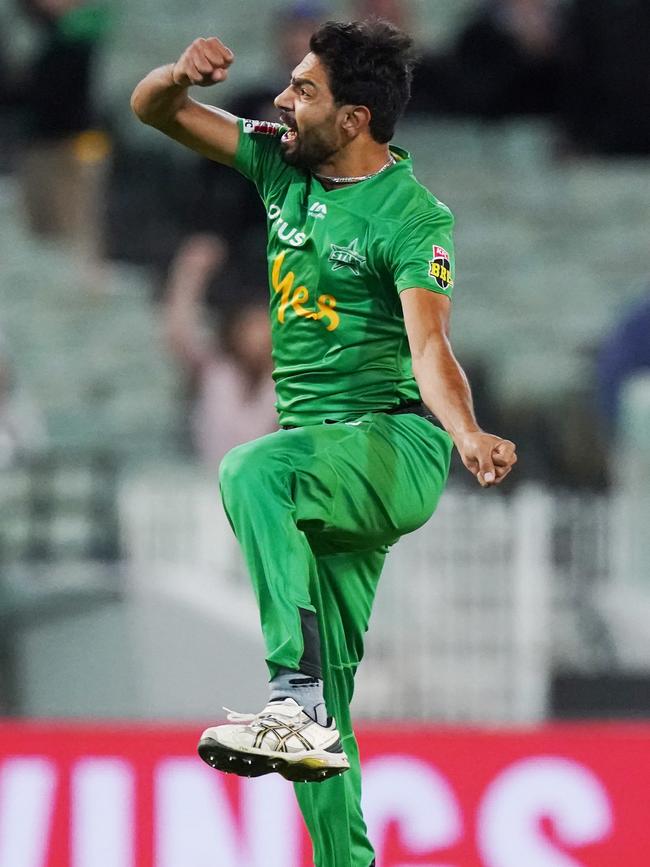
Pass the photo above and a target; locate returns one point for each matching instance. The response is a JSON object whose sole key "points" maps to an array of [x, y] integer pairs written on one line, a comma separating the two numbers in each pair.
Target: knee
{"points": [[248, 466], [232, 466]]}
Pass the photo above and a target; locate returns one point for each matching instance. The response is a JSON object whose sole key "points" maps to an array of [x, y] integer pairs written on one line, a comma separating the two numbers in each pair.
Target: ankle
{"points": [[305, 690]]}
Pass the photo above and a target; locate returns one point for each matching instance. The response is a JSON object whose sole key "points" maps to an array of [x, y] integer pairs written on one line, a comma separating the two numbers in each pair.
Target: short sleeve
{"points": [[423, 253], [258, 155]]}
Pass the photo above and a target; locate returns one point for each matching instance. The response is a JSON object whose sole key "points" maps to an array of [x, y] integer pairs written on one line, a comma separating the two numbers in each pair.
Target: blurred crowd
{"points": [[580, 63]]}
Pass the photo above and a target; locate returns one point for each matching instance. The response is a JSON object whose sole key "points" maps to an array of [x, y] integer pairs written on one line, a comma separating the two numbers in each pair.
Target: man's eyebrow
{"points": [[300, 82]]}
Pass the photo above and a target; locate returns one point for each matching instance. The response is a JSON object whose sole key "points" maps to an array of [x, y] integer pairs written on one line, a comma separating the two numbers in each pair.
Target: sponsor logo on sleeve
{"points": [[440, 268], [262, 127]]}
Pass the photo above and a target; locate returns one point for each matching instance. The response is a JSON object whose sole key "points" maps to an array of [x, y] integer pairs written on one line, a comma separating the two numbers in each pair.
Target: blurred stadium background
{"points": [[510, 634]]}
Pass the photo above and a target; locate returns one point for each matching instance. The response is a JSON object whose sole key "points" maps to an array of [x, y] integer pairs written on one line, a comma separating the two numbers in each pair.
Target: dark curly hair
{"points": [[368, 63]]}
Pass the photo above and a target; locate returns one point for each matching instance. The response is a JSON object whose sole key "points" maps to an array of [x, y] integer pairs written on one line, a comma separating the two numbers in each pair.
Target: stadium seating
{"points": [[90, 357]]}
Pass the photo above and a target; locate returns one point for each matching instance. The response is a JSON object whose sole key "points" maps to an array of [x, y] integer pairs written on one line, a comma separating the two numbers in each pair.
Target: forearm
{"points": [[158, 99], [161, 100], [444, 387]]}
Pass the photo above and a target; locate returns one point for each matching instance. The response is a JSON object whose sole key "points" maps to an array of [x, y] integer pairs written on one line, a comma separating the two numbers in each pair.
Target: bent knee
{"points": [[250, 464], [232, 465]]}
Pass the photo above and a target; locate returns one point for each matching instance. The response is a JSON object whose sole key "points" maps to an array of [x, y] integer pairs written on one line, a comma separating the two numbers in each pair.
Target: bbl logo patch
{"points": [[440, 268], [262, 127]]}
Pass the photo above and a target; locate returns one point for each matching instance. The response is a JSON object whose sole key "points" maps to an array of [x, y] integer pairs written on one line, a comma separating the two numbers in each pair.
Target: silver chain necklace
{"points": [[391, 162]]}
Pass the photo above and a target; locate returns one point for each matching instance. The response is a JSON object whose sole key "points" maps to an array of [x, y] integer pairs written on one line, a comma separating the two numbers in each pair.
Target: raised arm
{"points": [[161, 100], [445, 389]]}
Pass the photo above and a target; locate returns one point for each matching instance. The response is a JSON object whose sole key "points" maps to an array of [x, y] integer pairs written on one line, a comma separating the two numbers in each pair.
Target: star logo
{"points": [[347, 257]]}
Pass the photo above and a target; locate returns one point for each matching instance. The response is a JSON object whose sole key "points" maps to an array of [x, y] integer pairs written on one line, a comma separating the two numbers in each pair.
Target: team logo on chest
{"points": [[347, 257]]}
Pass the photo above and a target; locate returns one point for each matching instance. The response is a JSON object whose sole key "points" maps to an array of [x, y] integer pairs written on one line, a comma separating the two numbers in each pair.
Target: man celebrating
{"points": [[361, 274]]}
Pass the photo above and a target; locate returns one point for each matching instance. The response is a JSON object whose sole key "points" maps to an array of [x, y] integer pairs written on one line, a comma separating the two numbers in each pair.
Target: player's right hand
{"points": [[203, 63]]}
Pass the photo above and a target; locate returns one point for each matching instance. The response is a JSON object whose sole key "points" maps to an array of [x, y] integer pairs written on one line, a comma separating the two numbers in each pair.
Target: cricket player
{"points": [[370, 397]]}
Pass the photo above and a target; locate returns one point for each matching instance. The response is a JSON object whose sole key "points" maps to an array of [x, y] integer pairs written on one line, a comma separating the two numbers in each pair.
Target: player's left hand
{"points": [[489, 458]]}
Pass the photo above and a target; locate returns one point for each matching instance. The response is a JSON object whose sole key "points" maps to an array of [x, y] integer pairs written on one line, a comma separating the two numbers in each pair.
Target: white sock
{"points": [[303, 689]]}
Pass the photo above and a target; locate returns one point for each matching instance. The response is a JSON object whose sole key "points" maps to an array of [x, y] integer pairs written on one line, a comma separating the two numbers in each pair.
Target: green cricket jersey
{"points": [[338, 260]]}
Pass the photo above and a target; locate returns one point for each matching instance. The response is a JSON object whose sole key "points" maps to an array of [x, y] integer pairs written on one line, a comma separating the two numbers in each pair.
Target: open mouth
{"points": [[291, 133]]}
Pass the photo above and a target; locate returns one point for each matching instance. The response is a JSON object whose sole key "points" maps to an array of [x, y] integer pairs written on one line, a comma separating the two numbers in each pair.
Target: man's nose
{"points": [[283, 100]]}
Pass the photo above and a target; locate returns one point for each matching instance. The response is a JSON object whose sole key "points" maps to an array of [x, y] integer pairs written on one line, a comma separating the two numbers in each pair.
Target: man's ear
{"points": [[356, 120]]}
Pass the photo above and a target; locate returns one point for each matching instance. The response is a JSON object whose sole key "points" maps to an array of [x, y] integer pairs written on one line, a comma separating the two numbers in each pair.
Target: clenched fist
{"points": [[488, 457], [203, 63]]}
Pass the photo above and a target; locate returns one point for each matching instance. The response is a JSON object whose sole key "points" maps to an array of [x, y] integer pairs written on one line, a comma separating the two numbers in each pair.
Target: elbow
{"points": [[156, 102], [142, 106], [136, 105], [429, 351], [416, 361], [139, 107], [421, 365], [421, 372], [432, 359]]}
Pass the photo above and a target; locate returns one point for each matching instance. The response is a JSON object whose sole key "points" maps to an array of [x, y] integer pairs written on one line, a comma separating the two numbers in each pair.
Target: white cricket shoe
{"points": [[281, 738]]}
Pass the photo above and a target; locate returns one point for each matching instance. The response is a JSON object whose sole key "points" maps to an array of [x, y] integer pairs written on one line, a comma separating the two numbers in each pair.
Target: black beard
{"points": [[309, 152]]}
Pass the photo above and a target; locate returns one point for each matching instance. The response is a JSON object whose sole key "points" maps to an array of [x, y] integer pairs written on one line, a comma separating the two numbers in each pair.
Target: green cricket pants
{"points": [[315, 510]]}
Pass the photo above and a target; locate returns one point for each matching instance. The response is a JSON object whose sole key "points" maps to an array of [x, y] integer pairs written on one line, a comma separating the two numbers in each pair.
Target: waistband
{"points": [[416, 407]]}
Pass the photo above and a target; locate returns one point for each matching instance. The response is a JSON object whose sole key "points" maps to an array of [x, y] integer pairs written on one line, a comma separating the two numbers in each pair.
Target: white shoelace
{"points": [[256, 718]]}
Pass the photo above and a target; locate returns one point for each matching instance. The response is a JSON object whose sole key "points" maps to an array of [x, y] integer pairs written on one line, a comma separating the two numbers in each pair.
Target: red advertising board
{"points": [[98, 796]]}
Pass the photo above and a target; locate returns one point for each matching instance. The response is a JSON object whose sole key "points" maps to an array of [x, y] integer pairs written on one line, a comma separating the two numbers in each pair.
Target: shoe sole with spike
{"points": [[296, 769]]}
